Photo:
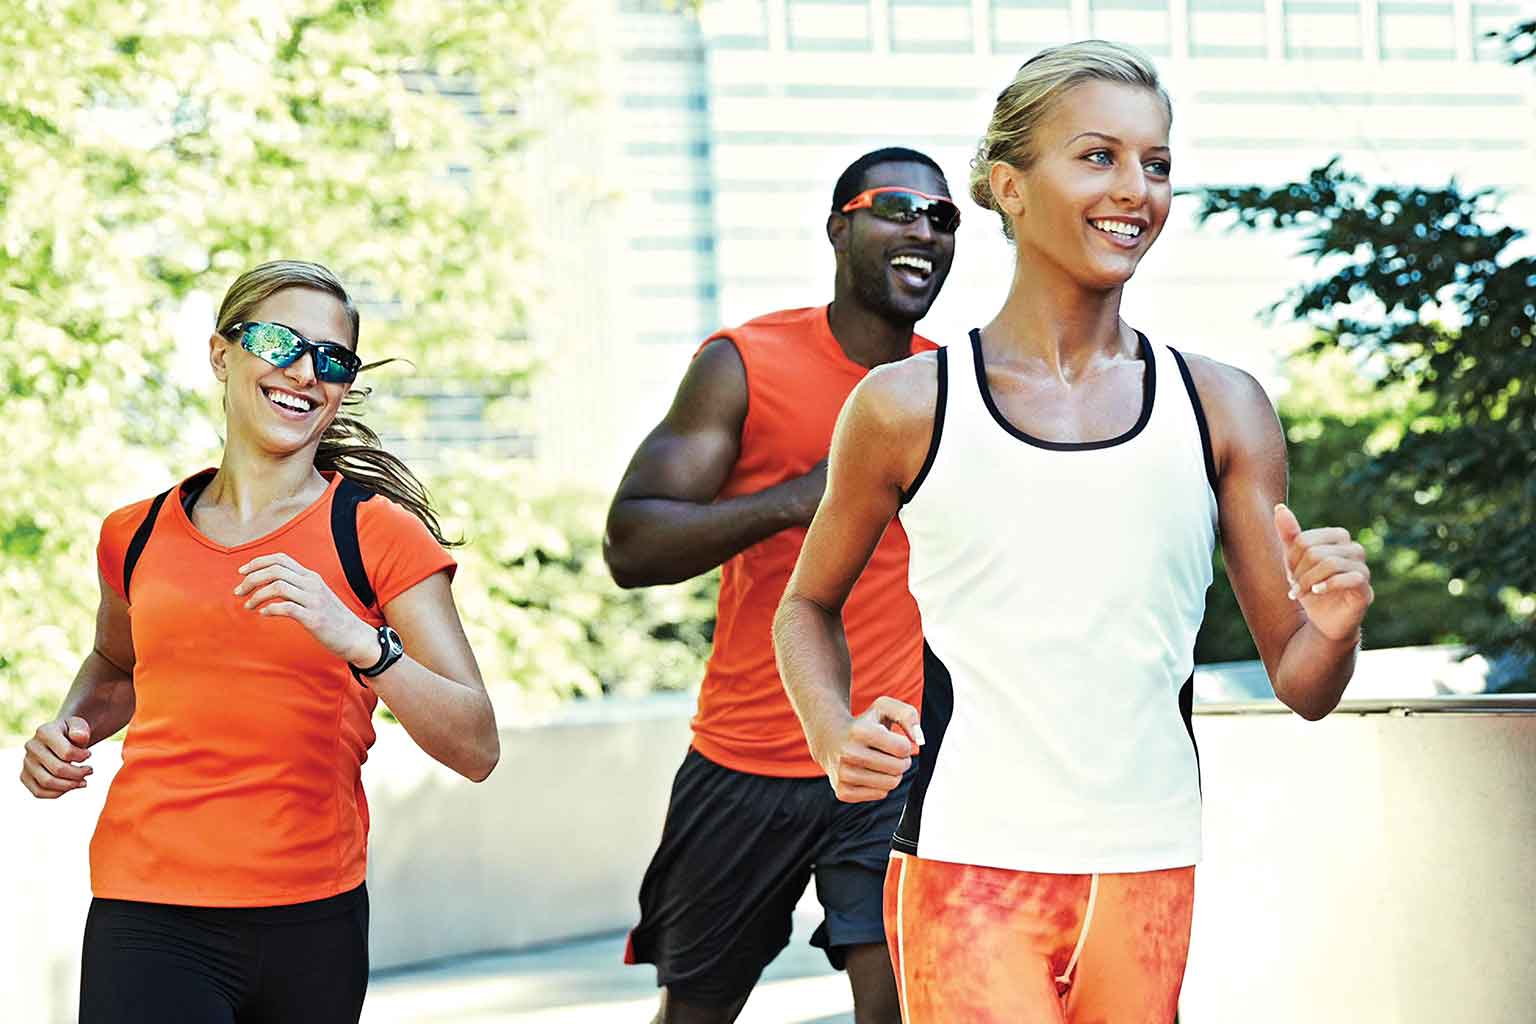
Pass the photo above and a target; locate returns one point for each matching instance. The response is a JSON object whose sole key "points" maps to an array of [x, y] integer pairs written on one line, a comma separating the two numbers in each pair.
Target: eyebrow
{"points": [[1105, 136]]}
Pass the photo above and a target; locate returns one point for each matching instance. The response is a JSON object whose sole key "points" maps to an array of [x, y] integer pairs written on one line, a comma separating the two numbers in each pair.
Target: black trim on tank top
{"points": [[938, 708], [1148, 395], [1200, 420], [1187, 712], [941, 403]]}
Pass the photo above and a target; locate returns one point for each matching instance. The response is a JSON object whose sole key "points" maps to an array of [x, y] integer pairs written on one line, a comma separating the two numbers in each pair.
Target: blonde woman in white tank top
{"points": [[1063, 481]]}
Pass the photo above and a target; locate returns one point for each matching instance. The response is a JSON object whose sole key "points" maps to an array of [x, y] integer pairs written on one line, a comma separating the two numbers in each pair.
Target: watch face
{"points": [[391, 650]]}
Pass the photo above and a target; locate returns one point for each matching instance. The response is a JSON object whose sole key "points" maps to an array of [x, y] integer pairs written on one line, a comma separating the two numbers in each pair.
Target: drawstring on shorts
{"points": [[1064, 979]]}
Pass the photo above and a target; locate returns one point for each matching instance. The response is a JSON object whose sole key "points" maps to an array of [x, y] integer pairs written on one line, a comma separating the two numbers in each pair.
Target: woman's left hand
{"points": [[279, 585], [1327, 573]]}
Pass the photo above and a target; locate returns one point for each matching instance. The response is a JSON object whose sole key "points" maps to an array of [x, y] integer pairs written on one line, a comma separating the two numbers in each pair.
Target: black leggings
{"points": [[153, 963]]}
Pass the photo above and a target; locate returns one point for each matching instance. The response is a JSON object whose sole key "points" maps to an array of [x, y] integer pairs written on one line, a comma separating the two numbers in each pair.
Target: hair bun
{"points": [[981, 181]]}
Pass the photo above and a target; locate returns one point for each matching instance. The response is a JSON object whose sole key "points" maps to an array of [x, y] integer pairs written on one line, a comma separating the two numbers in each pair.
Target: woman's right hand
{"points": [[867, 757], [52, 764]]}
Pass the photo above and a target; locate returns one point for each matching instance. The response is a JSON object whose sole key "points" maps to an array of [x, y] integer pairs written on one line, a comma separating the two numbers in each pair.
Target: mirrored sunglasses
{"points": [[905, 205], [283, 346]]}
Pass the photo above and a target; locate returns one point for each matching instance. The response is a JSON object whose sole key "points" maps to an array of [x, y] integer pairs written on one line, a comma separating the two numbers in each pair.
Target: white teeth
{"points": [[917, 263], [1118, 227], [295, 402]]}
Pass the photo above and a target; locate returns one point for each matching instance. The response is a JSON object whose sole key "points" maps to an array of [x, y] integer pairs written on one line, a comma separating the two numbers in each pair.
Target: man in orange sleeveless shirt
{"points": [[732, 477]]}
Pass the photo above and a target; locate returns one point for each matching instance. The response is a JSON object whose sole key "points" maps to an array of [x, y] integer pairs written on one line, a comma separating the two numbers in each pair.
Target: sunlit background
{"points": [[546, 206]]}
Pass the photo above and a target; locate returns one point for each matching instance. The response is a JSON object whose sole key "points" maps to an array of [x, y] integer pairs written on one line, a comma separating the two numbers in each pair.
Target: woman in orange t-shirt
{"points": [[251, 618]]}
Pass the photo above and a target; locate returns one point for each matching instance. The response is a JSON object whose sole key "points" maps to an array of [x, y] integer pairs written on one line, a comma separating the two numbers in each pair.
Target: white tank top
{"points": [[1061, 587]]}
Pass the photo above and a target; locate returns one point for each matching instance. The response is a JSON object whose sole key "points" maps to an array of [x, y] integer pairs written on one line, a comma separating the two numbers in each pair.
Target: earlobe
{"points": [[218, 356], [1004, 181]]}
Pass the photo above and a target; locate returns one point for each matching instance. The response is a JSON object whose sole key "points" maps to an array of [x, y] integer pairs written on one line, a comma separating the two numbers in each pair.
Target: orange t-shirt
{"points": [[797, 381], [241, 777]]}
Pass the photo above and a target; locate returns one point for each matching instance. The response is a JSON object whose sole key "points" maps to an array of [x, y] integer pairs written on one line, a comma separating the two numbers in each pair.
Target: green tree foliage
{"points": [[1335, 420], [1426, 289], [538, 601], [1520, 42], [149, 152]]}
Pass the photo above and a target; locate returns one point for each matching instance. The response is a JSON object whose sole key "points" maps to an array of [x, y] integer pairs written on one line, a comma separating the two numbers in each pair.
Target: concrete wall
{"points": [[1372, 867], [551, 846]]}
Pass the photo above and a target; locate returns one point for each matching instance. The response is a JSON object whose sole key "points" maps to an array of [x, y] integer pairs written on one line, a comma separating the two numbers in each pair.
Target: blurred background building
{"points": [[718, 133]]}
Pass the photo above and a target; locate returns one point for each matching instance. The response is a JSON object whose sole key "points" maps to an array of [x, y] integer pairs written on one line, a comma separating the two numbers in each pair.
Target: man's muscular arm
{"points": [[665, 525]]}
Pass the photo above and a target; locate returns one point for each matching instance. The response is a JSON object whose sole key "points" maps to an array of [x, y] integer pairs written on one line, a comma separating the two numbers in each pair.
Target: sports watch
{"points": [[391, 650]]}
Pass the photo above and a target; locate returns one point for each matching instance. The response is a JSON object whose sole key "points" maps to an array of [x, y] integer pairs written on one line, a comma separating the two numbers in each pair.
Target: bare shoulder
{"points": [[1224, 384], [886, 426], [900, 397], [1240, 415], [718, 368], [713, 391]]}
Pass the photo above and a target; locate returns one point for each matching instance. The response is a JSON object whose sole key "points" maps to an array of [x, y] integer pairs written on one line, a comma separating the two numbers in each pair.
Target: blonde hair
{"points": [[1034, 92], [348, 446]]}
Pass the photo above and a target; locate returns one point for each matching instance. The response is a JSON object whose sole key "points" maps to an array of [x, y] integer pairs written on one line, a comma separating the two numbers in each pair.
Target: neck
{"points": [[250, 481], [1052, 318], [865, 338]]}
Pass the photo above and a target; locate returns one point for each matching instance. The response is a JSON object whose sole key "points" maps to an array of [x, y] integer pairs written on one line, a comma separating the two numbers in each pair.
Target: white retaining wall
{"points": [[1374, 867]]}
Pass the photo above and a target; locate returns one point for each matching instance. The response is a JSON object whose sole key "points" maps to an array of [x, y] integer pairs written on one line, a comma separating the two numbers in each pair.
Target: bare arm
{"points": [[881, 439], [435, 689], [665, 525], [1303, 593], [99, 703]]}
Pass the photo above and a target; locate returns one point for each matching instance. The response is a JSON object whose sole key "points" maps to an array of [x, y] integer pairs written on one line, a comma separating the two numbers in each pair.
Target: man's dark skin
{"points": [[665, 524]]}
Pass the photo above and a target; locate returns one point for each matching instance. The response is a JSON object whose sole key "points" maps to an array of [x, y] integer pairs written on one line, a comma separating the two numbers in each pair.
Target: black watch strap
{"points": [[391, 650]]}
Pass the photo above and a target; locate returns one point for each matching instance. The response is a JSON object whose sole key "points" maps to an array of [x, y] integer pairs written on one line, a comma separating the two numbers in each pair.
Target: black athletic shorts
{"points": [[154, 963], [736, 854]]}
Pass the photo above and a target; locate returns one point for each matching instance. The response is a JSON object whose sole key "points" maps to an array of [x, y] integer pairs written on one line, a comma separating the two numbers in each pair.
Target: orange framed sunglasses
{"points": [[905, 205]]}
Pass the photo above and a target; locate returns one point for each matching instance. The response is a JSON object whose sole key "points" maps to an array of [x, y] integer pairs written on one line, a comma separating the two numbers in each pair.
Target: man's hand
{"points": [[869, 755], [805, 492]]}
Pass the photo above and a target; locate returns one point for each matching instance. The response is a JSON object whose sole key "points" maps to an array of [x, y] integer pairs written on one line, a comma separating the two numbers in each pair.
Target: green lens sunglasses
{"points": [[281, 346]]}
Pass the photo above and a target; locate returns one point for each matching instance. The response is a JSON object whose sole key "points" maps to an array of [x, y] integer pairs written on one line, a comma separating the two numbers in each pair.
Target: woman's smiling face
{"points": [[1097, 193], [283, 409]]}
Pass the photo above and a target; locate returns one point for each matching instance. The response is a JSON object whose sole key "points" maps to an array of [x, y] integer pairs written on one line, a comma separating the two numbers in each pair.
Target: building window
{"points": [[1227, 28], [1323, 29], [672, 243], [931, 26], [665, 101], [1489, 23], [1417, 30], [697, 149], [1143, 24], [741, 25], [1024, 26], [683, 196], [827, 24], [706, 292]]}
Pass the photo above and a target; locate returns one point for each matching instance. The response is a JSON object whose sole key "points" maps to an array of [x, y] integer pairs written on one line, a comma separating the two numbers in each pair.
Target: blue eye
{"points": [[1160, 168], [1099, 153]]}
